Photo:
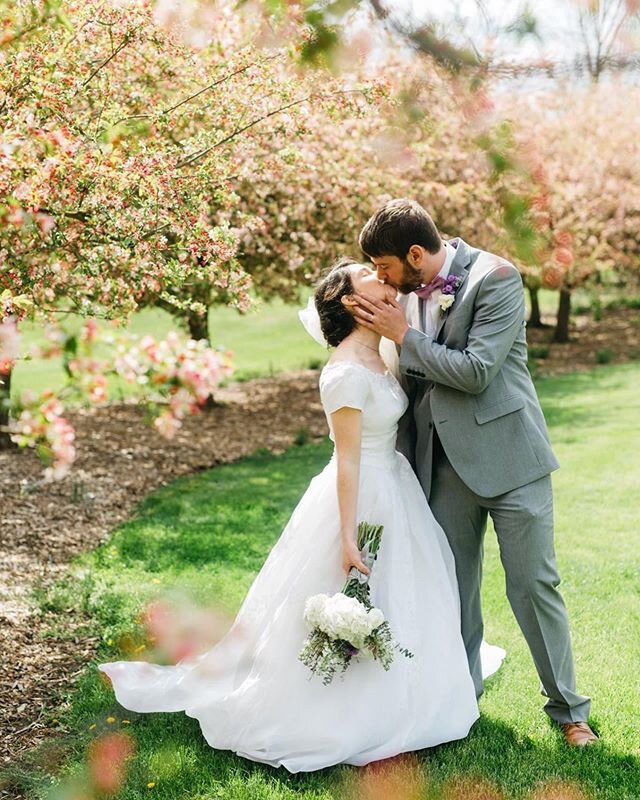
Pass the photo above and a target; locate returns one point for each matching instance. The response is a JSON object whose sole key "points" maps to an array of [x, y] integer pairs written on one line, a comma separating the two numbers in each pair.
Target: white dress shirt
{"points": [[430, 308]]}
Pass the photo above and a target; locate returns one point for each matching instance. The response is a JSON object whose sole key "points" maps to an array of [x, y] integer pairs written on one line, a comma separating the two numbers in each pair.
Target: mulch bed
{"points": [[613, 340], [120, 460]]}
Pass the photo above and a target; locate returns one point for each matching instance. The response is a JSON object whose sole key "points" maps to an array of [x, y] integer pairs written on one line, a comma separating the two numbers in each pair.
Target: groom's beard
{"points": [[411, 279]]}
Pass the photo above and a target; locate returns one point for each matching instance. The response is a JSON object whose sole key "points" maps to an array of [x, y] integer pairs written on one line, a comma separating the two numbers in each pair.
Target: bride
{"points": [[250, 693]]}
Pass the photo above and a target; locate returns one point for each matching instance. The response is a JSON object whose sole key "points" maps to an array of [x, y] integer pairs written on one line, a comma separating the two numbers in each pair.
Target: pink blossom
{"points": [[563, 256], [90, 331], [167, 424], [108, 757], [46, 223], [41, 425], [180, 629], [9, 344], [98, 389], [563, 239], [15, 216]]}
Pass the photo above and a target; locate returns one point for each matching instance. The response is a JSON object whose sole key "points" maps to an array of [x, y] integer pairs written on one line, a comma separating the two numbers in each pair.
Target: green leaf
{"points": [[71, 345]]}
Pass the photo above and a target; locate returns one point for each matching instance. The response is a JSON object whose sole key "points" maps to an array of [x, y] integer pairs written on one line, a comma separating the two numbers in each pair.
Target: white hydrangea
{"points": [[314, 609], [342, 617]]}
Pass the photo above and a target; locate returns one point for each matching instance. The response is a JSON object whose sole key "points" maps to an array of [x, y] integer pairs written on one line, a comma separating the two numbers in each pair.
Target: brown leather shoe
{"points": [[578, 734]]}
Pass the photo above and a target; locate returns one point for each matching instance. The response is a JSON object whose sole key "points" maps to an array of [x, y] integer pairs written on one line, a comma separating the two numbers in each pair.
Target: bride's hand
{"points": [[351, 558]]}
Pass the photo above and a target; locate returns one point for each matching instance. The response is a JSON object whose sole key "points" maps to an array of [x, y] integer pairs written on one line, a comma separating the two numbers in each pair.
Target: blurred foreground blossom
{"points": [[42, 426], [9, 344], [104, 772], [178, 628], [196, 23], [107, 761], [471, 788], [407, 777], [400, 778], [172, 377], [557, 789], [393, 151]]}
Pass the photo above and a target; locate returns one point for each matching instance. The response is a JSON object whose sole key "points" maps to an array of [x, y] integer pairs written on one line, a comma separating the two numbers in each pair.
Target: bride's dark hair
{"points": [[336, 320]]}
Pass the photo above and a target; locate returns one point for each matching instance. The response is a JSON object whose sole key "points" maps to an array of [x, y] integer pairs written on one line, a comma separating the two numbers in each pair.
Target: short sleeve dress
{"points": [[251, 694]]}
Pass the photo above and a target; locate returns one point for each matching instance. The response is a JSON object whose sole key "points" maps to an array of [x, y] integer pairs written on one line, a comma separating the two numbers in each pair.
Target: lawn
{"points": [[266, 341], [209, 534]]}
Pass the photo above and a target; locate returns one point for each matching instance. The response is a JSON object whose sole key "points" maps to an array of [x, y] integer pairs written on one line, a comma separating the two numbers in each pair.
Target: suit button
{"points": [[431, 425]]}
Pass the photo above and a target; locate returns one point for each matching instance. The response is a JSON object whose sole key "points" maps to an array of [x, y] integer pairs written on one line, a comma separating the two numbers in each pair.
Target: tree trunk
{"points": [[561, 334], [199, 329], [198, 325], [535, 320], [5, 398]]}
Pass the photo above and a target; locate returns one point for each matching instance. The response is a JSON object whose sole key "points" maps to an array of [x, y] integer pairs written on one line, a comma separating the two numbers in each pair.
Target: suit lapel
{"points": [[459, 268]]}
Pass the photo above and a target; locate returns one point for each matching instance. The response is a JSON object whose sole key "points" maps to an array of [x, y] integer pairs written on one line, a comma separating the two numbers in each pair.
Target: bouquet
{"points": [[347, 625]]}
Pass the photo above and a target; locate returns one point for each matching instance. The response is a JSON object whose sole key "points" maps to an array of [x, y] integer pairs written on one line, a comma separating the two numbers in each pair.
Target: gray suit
{"points": [[477, 439]]}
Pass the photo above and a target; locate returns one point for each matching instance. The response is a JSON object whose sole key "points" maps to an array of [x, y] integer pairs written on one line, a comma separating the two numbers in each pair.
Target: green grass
{"points": [[266, 341], [209, 534]]}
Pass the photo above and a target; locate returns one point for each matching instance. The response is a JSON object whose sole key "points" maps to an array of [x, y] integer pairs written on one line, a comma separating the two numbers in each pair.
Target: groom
{"points": [[475, 432]]}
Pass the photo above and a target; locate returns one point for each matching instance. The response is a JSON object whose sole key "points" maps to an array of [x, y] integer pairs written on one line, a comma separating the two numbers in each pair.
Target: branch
{"points": [[610, 38], [425, 39], [11, 90], [585, 39], [196, 156], [120, 47], [225, 78], [153, 232], [213, 85], [81, 216], [553, 69], [614, 14], [38, 23]]}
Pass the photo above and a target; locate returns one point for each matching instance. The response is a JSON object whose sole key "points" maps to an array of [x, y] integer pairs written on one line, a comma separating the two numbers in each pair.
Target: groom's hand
{"points": [[385, 318]]}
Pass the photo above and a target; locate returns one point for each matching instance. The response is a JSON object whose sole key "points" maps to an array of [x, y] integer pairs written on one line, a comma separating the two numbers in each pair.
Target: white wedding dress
{"points": [[250, 693]]}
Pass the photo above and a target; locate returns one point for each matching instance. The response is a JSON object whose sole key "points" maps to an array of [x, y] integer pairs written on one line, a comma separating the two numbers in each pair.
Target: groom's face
{"points": [[398, 272]]}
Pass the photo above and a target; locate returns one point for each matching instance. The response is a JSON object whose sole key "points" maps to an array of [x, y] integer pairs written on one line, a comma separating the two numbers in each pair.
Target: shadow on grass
{"points": [[172, 754], [576, 400], [492, 752], [517, 764]]}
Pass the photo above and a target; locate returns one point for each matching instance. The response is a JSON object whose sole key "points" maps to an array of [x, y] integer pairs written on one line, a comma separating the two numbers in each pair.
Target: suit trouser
{"points": [[523, 520]]}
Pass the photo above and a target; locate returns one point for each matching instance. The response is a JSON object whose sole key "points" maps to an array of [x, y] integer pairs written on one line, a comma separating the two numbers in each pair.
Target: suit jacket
{"points": [[470, 382]]}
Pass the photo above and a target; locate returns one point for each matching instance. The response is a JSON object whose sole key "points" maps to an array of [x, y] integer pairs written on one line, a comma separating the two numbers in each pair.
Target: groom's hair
{"points": [[336, 322], [397, 226]]}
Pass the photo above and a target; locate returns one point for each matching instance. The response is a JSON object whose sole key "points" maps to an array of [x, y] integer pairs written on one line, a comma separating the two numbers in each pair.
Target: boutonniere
{"points": [[448, 291]]}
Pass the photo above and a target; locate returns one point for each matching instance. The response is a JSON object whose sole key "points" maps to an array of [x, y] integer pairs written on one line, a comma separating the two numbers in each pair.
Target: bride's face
{"points": [[366, 281]]}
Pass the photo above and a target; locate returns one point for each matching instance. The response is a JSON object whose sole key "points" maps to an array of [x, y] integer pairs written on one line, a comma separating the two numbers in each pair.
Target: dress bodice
{"points": [[378, 396]]}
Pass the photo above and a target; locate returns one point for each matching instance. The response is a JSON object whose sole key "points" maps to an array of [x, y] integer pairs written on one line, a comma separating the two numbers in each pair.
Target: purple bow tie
{"points": [[425, 292]]}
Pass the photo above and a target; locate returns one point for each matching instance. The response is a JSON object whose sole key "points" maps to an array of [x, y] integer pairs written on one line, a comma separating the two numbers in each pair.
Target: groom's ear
{"points": [[414, 256]]}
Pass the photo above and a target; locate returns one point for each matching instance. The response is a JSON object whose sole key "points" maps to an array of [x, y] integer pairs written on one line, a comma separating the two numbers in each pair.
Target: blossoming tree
{"points": [[585, 153], [119, 151]]}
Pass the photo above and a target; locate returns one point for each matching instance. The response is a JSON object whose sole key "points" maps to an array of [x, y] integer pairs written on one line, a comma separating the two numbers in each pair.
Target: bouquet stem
{"points": [[357, 583], [327, 653]]}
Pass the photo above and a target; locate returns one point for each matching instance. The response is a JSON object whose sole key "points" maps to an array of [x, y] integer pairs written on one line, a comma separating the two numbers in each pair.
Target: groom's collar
{"points": [[462, 258], [449, 255]]}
